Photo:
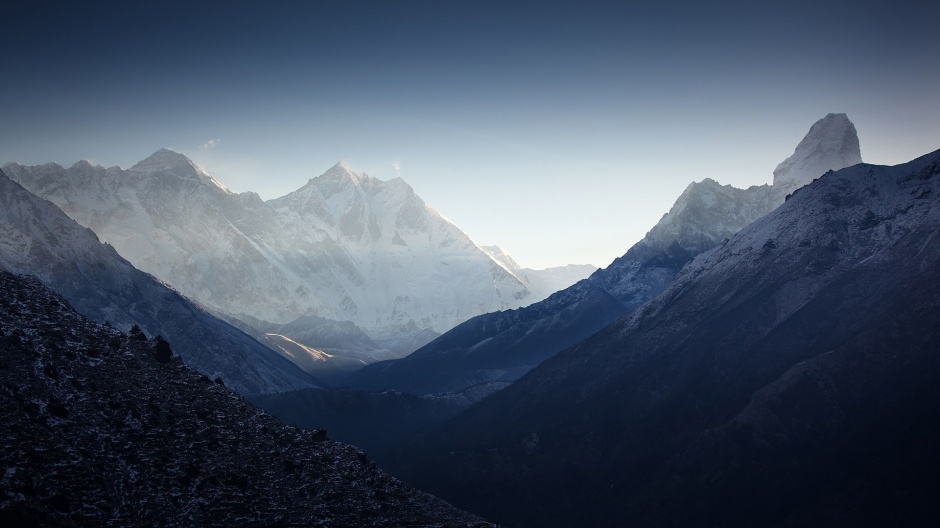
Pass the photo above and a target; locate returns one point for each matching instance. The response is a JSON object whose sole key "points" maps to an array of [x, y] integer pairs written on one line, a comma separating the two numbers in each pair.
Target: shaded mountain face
{"points": [[372, 421], [102, 428], [36, 238], [496, 347], [503, 346], [703, 216], [787, 377], [344, 247]]}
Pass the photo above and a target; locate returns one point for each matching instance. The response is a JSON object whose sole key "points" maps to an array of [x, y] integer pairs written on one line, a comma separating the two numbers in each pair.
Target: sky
{"points": [[561, 131]]}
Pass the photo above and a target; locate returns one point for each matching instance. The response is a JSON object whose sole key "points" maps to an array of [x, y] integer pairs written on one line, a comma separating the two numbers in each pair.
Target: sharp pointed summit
{"points": [[169, 162], [830, 144], [164, 159], [82, 165], [340, 171]]}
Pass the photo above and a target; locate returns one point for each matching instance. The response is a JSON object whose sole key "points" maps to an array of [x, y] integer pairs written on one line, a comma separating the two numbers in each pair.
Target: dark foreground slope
{"points": [[96, 430], [37, 238], [789, 377]]}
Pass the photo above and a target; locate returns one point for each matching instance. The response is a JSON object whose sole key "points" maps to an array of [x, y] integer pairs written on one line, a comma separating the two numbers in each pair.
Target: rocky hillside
{"points": [[104, 428]]}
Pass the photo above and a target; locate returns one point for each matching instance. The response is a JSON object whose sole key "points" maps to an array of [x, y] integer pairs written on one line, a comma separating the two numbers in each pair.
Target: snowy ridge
{"points": [[37, 239], [704, 214], [541, 282], [801, 351], [707, 212], [503, 346], [836, 221], [345, 246]]}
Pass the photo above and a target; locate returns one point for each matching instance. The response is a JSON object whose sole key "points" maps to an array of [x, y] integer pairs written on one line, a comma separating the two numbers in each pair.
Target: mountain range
{"points": [[763, 357], [344, 247], [36, 238], [787, 377], [501, 346]]}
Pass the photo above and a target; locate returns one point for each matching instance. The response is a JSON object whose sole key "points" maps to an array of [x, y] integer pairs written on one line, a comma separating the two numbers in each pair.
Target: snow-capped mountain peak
{"points": [[166, 161], [830, 144], [82, 165], [340, 173], [345, 246]]}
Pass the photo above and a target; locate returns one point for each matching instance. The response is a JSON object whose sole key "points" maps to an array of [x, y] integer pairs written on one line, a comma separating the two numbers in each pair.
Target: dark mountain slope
{"points": [[373, 421], [97, 428], [787, 377], [499, 346]]}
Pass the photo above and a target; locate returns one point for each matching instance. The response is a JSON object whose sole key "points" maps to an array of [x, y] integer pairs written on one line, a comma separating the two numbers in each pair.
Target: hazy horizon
{"points": [[561, 133]]}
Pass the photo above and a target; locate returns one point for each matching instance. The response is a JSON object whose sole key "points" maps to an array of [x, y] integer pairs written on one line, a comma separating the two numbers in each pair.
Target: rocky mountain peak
{"points": [[82, 165], [166, 161], [830, 144], [340, 172]]}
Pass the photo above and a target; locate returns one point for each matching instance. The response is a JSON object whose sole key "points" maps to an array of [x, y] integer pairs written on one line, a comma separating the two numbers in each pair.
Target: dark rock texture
{"points": [[96, 429]]}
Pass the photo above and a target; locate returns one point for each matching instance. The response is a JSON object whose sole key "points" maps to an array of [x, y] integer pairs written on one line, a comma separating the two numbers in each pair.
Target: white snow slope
{"points": [[37, 239], [830, 144], [541, 282], [345, 246]]}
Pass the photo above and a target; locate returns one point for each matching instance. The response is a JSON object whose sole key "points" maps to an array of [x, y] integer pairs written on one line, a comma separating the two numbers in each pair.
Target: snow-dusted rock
{"points": [[830, 144], [504, 346], [787, 377]]}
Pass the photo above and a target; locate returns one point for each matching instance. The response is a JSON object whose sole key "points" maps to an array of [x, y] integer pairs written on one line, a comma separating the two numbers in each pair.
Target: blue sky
{"points": [[561, 131]]}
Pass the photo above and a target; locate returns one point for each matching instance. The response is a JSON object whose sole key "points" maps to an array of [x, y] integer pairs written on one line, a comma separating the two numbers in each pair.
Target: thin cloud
{"points": [[212, 143], [397, 166]]}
